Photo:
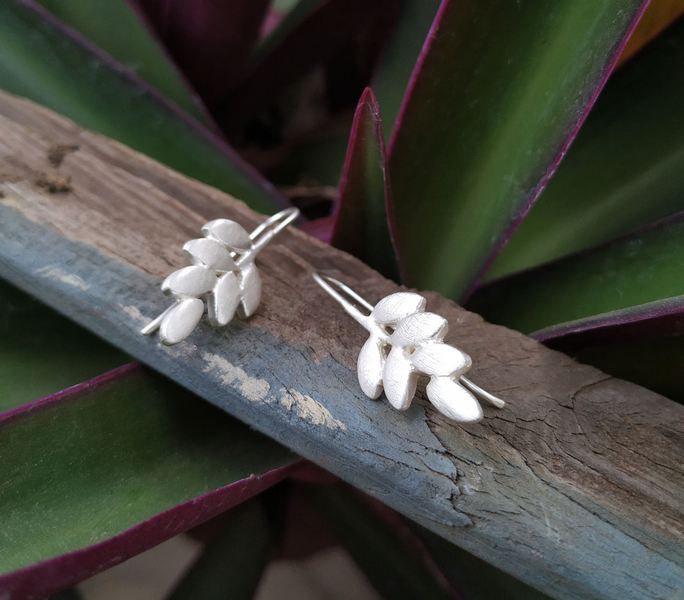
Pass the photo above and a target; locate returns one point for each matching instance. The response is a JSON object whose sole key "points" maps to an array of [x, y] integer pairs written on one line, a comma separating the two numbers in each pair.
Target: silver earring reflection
{"points": [[406, 342], [223, 273]]}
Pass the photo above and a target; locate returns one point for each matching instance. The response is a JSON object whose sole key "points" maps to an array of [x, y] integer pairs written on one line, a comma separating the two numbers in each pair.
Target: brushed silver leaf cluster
{"points": [[415, 347], [405, 343], [222, 276]]}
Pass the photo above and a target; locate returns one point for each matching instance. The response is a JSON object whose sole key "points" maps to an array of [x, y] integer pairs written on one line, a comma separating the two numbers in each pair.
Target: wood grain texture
{"points": [[576, 487]]}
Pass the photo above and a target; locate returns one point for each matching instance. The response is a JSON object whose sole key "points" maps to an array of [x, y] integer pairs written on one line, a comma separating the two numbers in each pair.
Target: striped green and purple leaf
{"points": [[496, 98], [113, 466]]}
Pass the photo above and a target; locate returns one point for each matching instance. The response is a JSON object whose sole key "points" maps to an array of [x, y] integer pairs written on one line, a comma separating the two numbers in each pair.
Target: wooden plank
{"points": [[576, 488]]}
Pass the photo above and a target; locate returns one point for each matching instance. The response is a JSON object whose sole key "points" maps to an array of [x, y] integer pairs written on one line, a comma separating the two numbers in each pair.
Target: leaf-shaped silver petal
{"points": [[395, 307], [399, 379], [418, 328], [189, 281], [224, 300], [210, 253], [180, 321], [435, 358], [250, 286], [229, 233], [369, 367], [453, 400]]}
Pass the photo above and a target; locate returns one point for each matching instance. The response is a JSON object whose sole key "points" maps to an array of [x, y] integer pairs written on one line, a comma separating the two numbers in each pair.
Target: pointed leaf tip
{"points": [[360, 222]]}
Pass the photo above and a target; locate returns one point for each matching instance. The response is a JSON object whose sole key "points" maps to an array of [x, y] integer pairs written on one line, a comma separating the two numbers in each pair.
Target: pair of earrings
{"points": [[405, 340]]}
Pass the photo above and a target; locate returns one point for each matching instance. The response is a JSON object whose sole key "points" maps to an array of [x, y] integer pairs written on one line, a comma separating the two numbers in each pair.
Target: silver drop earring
{"points": [[406, 342], [222, 272]]}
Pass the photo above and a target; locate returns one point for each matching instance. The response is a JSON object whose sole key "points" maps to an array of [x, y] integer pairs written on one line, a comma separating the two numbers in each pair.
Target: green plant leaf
{"points": [[42, 352], [399, 56], [41, 62], [103, 24], [625, 169], [498, 94], [233, 561], [360, 221], [112, 467], [597, 288]]}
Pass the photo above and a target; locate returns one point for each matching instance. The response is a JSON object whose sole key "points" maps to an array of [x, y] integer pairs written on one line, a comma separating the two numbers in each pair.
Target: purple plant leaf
{"points": [[211, 41], [498, 94], [139, 50], [398, 57], [321, 229], [630, 286], [108, 468], [309, 35], [360, 218], [661, 318], [58, 71]]}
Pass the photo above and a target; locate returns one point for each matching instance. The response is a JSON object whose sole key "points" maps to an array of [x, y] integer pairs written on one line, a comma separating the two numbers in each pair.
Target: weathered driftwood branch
{"points": [[575, 487]]}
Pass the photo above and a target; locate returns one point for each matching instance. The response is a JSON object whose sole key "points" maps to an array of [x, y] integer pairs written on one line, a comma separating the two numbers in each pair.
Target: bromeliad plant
{"points": [[469, 185]]}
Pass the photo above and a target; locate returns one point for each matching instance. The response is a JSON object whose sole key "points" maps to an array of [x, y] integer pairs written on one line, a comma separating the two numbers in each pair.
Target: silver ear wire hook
{"points": [[265, 232], [405, 342], [223, 274]]}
